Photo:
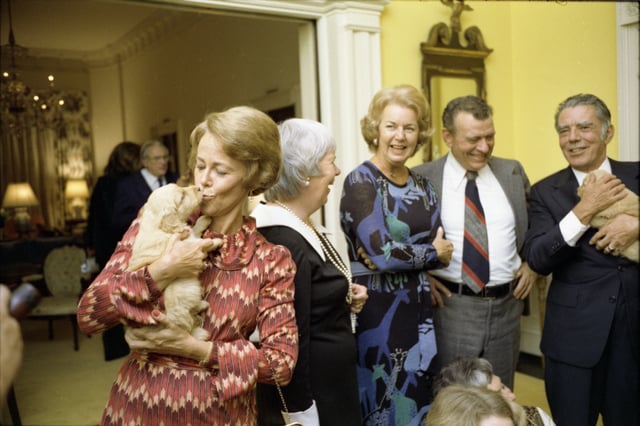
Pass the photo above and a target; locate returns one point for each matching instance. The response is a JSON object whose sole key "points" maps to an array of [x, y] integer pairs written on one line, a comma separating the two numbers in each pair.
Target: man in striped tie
{"points": [[484, 214]]}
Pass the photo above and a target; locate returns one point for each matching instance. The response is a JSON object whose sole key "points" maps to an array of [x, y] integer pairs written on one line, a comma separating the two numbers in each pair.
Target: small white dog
{"points": [[165, 213], [630, 205]]}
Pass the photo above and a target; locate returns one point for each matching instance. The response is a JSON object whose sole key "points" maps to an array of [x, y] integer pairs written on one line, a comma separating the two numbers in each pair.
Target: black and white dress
{"points": [[326, 367]]}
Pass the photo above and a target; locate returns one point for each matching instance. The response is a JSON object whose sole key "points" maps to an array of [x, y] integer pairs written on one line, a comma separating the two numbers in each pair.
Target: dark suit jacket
{"points": [[131, 194], [509, 174], [586, 283], [100, 232]]}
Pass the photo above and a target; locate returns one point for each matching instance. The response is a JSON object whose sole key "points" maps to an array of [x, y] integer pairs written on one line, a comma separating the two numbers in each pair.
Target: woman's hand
{"points": [[167, 339], [443, 247], [359, 297], [183, 258]]}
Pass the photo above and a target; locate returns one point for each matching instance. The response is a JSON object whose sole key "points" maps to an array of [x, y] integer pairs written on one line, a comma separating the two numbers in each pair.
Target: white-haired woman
{"points": [[323, 389]]}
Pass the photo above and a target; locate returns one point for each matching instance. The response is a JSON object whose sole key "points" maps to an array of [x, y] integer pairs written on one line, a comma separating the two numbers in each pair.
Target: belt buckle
{"points": [[484, 291]]}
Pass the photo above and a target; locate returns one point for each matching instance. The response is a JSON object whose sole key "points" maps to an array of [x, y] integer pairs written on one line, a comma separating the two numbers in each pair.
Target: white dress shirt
{"points": [[152, 180], [570, 226], [504, 260]]}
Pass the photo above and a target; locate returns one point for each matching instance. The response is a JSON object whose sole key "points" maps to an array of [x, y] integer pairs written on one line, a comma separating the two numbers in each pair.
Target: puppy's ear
{"points": [[170, 221]]}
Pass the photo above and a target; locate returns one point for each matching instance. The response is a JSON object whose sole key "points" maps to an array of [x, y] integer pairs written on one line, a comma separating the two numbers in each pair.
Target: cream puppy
{"points": [[165, 213], [630, 205]]}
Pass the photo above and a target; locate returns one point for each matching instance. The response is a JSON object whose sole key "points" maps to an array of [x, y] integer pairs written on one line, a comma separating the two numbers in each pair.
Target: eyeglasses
{"points": [[157, 158]]}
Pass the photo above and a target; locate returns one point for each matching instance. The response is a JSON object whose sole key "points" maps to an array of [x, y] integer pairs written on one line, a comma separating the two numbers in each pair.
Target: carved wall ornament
{"points": [[443, 55]]}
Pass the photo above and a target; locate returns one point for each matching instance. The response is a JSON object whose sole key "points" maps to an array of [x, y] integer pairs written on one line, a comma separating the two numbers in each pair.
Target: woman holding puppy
{"points": [[170, 376]]}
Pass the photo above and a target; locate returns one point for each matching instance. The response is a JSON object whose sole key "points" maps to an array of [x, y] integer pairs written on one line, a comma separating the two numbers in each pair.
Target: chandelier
{"points": [[20, 106]]}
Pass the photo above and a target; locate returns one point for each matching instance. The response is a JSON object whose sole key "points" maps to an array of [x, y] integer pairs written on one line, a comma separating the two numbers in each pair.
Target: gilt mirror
{"points": [[450, 69]]}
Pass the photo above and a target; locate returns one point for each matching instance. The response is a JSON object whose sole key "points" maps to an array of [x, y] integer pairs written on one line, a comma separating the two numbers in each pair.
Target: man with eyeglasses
{"points": [[134, 190]]}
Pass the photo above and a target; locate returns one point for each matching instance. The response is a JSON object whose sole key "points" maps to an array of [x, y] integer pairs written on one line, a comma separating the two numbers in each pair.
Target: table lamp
{"points": [[19, 196], [77, 191]]}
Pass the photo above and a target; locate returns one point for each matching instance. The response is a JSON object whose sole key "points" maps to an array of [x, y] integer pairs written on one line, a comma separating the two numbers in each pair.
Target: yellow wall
{"points": [[543, 52]]}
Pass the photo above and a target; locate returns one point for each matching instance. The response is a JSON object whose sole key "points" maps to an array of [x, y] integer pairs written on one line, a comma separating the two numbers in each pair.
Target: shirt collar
{"points": [[272, 215], [606, 166], [151, 179], [458, 173]]}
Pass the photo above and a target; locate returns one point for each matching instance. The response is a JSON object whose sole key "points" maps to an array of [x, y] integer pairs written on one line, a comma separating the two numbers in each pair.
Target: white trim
{"points": [[269, 215], [628, 79], [347, 36]]}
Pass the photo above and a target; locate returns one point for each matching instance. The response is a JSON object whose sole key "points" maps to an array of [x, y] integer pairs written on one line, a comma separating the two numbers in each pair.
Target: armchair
{"points": [[63, 279]]}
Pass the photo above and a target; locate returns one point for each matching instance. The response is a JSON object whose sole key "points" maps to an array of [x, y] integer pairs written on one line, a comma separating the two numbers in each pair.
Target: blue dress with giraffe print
{"points": [[395, 225]]}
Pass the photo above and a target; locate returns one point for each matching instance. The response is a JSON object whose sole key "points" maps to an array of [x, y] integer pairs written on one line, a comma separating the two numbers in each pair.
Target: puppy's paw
{"points": [[202, 306], [200, 333]]}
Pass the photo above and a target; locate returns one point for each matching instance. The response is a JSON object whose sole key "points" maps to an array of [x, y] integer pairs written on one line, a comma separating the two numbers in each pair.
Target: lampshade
{"points": [[76, 188], [19, 194]]}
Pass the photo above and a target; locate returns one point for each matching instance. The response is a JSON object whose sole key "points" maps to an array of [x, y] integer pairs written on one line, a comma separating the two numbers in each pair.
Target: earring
{"points": [[307, 182], [375, 142]]}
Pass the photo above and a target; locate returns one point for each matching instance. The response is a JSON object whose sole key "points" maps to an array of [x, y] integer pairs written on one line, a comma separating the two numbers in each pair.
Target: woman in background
{"points": [[324, 389], [171, 377], [472, 371], [458, 405], [391, 217], [100, 237]]}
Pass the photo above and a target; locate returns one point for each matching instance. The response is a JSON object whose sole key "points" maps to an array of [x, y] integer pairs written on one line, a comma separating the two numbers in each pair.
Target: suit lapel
{"points": [[627, 172], [436, 176], [512, 185], [565, 189], [505, 177]]}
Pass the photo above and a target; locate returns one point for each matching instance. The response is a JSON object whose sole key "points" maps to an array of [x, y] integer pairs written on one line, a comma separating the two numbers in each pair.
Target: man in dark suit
{"points": [[590, 334], [484, 324], [133, 190]]}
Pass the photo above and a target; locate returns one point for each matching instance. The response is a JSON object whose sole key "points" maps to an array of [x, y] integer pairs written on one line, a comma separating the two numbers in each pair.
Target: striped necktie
{"points": [[475, 248]]}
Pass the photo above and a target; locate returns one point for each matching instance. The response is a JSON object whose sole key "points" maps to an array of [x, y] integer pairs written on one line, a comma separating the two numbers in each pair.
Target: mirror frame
{"points": [[444, 56]]}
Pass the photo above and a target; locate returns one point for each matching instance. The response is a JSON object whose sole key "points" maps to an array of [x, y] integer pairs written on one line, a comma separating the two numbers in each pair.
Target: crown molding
{"points": [[158, 27]]}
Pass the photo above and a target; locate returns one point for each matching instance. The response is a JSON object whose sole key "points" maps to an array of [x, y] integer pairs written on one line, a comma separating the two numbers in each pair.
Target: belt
{"points": [[494, 291]]}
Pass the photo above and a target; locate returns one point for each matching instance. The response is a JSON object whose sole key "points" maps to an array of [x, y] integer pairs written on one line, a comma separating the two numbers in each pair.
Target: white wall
{"points": [[216, 63]]}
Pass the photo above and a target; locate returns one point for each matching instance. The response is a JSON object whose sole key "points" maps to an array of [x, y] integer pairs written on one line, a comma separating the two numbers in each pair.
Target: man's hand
{"points": [[437, 291], [443, 247], [12, 344], [526, 278], [617, 235], [596, 195]]}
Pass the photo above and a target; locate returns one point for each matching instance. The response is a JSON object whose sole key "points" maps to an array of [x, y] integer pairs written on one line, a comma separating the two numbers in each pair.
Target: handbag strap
{"points": [[285, 413]]}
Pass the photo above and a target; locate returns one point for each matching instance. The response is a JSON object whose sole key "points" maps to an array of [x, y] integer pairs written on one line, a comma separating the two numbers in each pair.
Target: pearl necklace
{"points": [[332, 254]]}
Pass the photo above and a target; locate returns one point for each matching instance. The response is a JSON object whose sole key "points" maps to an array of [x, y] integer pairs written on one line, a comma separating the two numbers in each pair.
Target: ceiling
{"points": [[56, 24], [86, 29]]}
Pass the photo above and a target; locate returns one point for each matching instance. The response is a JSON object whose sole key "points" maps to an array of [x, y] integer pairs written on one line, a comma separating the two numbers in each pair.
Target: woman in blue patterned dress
{"points": [[391, 219]]}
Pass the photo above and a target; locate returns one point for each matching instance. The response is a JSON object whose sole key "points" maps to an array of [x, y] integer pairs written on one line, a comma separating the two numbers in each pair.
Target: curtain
{"points": [[45, 149]]}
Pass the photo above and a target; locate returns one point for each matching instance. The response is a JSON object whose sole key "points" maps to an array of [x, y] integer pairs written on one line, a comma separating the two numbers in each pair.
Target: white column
{"points": [[348, 40], [348, 72], [628, 77]]}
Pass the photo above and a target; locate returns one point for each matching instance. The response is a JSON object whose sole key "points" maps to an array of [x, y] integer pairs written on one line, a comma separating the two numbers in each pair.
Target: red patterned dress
{"points": [[250, 284]]}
